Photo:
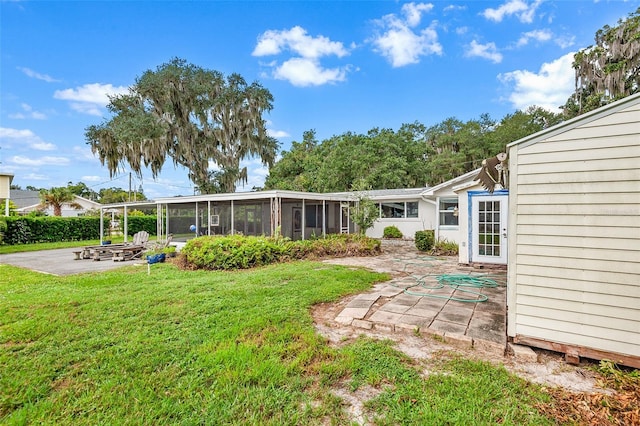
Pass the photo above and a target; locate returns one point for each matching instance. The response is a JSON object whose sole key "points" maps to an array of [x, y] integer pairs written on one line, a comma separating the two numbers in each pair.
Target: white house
{"points": [[574, 236], [28, 201]]}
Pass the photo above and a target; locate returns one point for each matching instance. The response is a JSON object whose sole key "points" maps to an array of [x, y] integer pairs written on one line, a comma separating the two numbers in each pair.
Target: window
{"points": [[399, 209], [392, 209], [448, 212], [412, 209]]}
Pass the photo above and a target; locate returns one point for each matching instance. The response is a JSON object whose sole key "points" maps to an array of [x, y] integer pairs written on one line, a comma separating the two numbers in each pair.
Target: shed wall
{"points": [[574, 273]]}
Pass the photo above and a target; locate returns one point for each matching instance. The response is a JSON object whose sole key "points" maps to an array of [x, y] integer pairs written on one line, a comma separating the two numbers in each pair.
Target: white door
{"points": [[489, 228]]}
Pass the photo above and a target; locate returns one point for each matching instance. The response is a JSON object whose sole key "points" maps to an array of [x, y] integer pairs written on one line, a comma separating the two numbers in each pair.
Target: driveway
{"points": [[61, 262]]}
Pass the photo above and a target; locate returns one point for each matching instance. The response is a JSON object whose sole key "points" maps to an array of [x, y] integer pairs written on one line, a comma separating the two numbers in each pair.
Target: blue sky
{"points": [[332, 66]]}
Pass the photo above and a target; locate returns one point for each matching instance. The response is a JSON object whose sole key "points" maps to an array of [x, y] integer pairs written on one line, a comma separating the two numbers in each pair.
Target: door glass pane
{"points": [[489, 228]]}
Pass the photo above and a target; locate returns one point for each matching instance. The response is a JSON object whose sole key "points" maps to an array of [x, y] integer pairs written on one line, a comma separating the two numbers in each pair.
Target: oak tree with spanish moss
{"points": [[609, 70], [199, 118]]}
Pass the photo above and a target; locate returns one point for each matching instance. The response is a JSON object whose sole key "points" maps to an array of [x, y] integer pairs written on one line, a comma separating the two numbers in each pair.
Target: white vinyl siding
{"points": [[574, 273]]}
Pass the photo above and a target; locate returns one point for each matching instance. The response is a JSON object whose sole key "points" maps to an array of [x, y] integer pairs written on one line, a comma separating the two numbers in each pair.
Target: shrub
{"points": [[445, 248], [392, 232], [27, 229], [3, 228], [240, 252], [425, 239], [137, 223]]}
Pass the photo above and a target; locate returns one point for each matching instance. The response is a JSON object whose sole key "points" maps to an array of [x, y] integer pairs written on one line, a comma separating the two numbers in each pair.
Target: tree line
{"points": [[413, 156]]}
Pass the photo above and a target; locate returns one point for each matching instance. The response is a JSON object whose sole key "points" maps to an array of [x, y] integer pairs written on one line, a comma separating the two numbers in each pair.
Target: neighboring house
{"points": [[28, 201], [574, 246]]}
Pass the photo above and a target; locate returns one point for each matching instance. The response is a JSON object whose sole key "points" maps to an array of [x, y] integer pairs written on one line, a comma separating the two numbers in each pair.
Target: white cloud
{"points": [[33, 74], [256, 174], [537, 35], [28, 112], [34, 176], [42, 161], [485, 51], [520, 8], [305, 67], [453, 8], [296, 40], [277, 133], [413, 12], [549, 88], [91, 178], [308, 72], [400, 43], [43, 146], [25, 137], [90, 98], [565, 41]]}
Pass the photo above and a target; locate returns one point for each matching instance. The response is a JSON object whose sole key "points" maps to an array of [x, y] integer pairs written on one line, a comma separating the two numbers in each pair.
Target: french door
{"points": [[489, 228]]}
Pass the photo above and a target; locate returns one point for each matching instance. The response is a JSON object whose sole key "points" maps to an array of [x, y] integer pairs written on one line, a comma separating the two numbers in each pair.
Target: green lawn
{"points": [[180, 347], [17, 248]]}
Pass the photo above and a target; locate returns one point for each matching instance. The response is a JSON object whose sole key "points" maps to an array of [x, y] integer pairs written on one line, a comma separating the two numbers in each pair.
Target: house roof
{"points": [[380, 194], [578, 121], [451, 183], [23, 198], [254, 195]]}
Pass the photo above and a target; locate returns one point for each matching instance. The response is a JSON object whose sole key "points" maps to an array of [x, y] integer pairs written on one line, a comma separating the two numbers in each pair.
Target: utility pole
{"points": [[129, 186]]}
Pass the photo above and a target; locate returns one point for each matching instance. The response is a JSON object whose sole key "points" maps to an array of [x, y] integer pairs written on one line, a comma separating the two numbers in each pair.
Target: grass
{"points": [[18, 248], [195, 347]]}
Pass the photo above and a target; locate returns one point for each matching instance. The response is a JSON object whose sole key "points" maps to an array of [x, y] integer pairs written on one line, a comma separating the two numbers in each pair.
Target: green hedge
{"points": [[136, 224], [241, 252], [425, 240], [24, 230]]}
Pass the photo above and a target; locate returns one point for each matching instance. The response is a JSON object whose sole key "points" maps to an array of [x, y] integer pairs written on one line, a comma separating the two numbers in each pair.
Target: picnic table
{"points": [[127, 252]]}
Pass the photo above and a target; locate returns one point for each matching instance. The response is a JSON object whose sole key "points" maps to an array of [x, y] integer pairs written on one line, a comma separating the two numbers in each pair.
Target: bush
{"points": [[445, 248], [3, 228], [391, 232], [425, 240], [27, 229], [137, 223], [240, 252]]}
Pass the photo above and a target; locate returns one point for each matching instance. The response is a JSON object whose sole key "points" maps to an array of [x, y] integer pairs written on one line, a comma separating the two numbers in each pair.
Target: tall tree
{"points": [[81, 189], [195, 116], [56, 198], [610, 69], [293, 172], [119, 195]]}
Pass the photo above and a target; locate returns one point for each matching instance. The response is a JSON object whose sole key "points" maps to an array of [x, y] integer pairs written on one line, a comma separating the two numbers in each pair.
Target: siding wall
{"points": [[574, 270]]}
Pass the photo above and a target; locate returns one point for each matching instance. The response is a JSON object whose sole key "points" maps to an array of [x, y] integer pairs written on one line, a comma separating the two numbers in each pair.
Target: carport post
{"points": [[101, 223]]}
